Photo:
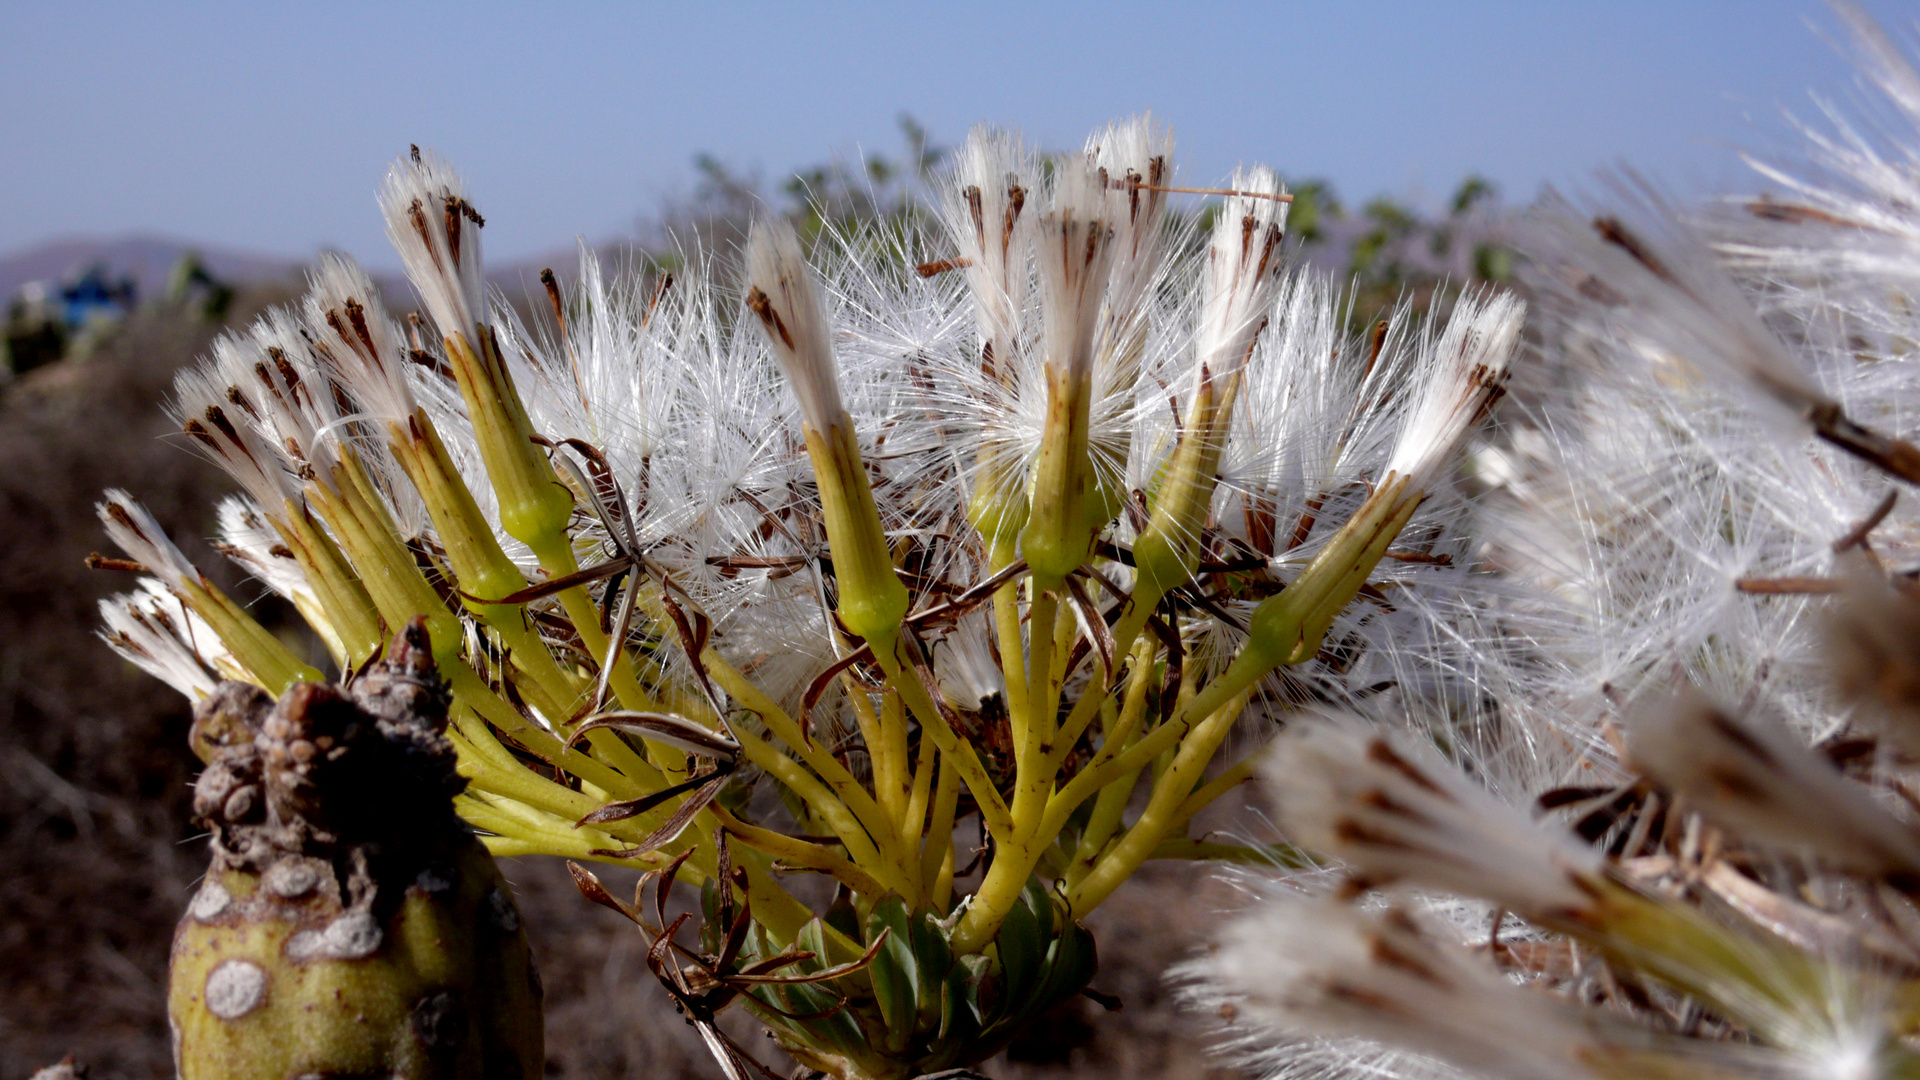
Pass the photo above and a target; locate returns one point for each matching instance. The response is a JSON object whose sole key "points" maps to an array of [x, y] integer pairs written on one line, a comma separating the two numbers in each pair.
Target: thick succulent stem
{"points": [[350, 924]]}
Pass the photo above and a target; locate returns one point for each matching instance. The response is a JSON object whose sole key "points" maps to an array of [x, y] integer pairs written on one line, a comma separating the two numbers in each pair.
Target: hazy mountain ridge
{"points": [[148, 260]]}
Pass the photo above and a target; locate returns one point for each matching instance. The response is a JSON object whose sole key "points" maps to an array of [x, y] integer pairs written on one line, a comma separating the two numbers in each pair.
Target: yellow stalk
{"points": [[821, 803], [479, 565], [1013, 647], [396, 586], [872, 727], [1109, 807], [864, 812], [800, 854], [1007, 875], [557, 559], [383, 563], [913, 822], [1111, 803], [266, 657], [1167, 551], [525, 787], [934, 722], [349, 611], [1126, 640], [936, 849], [1030, 785], [942, 892], [890, 773], [1232, 777], [534, 505], [632, 780], [1161, 815], [872, 599]]}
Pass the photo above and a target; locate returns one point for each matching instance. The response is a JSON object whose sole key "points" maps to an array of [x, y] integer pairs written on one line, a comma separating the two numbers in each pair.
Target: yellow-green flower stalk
{"points": [[354, 332], [987, 213], [1243, 269], [783, 296], [437, 232], [1074, 249]]}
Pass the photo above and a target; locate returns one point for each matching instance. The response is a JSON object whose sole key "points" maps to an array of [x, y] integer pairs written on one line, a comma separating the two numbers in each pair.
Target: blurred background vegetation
{"points": [[96, 854]]}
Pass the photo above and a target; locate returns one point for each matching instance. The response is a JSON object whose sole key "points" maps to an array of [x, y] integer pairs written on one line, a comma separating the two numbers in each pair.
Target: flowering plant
{"points": [[1013, 520]]}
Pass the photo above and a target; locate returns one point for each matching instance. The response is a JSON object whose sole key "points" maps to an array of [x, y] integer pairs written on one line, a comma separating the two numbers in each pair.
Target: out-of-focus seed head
{"points": [[1753, 776], [1298, 968], [1395, 814]]}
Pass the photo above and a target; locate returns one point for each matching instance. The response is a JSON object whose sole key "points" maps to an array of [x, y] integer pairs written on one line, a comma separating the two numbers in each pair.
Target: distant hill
{"points": [[149, 259], [146, 259]]}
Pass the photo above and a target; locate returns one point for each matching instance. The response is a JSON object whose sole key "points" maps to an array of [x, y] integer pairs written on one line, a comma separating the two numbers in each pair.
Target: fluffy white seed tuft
{"points": [[985, 206], [1243, 273], [145, 542], [223, 420], [1074, 249], [1133, 160], [783, 295], [1468, 369], [158, 634], [357, 342], [437, 233]]}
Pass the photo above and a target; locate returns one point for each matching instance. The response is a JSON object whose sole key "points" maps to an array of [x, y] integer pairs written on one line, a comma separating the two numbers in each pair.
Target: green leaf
{"points": [[843, 916], [895, 972], [961, 1012], [1022, 943], [1037, 895], [839, 1033], [1071, 963], [933, 959]]}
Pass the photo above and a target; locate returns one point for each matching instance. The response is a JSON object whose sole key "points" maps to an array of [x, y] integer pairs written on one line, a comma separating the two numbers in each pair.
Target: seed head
{"points": [[437, 233]]}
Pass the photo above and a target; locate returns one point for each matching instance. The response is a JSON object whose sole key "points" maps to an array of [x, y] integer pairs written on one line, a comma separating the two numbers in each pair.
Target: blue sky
{"points": [[268, 129]]}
